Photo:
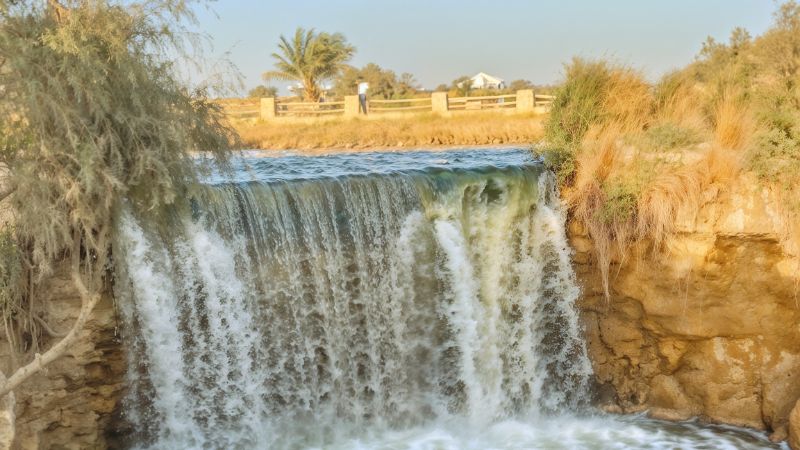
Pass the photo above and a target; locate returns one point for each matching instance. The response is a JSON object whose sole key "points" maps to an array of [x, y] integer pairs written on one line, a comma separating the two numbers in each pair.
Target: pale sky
{"points": [[439, 40]]}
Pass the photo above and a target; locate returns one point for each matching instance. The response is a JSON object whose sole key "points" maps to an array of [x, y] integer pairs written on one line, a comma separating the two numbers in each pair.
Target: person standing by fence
{"points": [[363, 86]]}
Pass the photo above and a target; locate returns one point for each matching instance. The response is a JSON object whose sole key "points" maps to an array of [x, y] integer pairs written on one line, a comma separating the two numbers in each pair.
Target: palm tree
{"points": [[310, 58]]}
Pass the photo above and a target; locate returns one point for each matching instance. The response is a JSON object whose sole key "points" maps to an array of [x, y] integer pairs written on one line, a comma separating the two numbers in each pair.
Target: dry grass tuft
{"points": [[733, 122], [628, 101], [639, 164], [680, 101], [633, 157]]}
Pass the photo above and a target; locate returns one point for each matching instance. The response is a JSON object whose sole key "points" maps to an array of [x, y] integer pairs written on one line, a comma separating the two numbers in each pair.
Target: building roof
{"points": [[485, 78]]}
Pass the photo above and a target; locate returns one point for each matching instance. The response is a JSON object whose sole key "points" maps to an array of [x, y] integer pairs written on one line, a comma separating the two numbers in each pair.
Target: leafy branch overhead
{"points": [[92, 115]]}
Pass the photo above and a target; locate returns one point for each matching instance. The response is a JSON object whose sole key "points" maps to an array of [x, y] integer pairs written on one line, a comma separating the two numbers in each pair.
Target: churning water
{"points": [[372, 301]]}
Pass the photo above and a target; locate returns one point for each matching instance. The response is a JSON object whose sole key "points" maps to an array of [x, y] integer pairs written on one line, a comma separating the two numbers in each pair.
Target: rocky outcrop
{"points": [[71, 403], [794, 427], [708, 327]]}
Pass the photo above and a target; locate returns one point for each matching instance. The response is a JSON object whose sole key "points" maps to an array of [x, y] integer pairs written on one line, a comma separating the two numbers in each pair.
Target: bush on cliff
{"points": [[630, 154]]}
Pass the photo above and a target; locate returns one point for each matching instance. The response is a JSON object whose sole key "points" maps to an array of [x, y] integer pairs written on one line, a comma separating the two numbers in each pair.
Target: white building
{"points": [[486, 81]]}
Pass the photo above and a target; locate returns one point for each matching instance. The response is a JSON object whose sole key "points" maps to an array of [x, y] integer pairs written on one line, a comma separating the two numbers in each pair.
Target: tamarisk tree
{"points": [[91, 113]]}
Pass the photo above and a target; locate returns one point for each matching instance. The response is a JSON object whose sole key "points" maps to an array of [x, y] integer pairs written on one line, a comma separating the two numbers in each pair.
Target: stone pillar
{"points": [[526, 100], [351, 108], [268, 108], [439, 103]]}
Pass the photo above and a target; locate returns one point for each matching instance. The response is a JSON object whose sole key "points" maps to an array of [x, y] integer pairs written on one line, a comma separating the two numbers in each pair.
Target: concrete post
{"points": [[439, 102], [351, 108], [526, 100], [268, 108]]}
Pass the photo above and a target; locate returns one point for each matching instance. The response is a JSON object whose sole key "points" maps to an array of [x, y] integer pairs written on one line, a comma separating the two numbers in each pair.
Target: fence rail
{"points": [[399, 108], [400, 100], [524, 101], [542, 99], [485, 97]]}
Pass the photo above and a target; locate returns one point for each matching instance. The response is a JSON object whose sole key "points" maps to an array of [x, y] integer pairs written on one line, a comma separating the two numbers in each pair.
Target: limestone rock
{"points": [[794, 427], [7, 421], [71, 403], [708, 327]]}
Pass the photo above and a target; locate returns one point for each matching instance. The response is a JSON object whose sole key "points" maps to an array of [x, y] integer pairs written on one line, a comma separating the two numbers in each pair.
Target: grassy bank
{"points": [[630, 154], [406, 131]]}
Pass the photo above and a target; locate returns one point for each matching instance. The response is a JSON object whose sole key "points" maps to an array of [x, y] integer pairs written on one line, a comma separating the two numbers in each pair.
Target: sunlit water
{"points": [[377, 301]]}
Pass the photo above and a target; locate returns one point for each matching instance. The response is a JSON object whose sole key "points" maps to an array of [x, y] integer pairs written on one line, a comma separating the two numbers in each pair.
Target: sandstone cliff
{"points": [[794, 427], [709, 327]]}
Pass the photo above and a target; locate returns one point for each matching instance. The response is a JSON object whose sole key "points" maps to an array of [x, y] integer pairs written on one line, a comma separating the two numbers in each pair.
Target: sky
{"points": [[440, 40]]}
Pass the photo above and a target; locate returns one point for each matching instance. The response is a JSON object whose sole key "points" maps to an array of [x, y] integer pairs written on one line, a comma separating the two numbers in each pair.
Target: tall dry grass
{"points": [[733, 122], [640, 161], [632, 156], [407, 131]]}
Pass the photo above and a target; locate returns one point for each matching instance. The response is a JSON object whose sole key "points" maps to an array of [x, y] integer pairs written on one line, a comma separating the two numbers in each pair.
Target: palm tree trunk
{"points": [[310, 90]]}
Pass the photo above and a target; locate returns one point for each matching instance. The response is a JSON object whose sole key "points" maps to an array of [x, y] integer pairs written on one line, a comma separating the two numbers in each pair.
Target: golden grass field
{"points": [[396, 132]]}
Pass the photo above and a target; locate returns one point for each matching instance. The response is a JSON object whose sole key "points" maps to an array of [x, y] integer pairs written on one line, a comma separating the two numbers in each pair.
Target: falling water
{"points": [[375, 310]]}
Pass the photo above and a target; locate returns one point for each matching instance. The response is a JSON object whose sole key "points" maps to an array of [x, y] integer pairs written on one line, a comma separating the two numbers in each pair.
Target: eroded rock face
{"points": [[708, 328], [70, 405], [794, 427]]}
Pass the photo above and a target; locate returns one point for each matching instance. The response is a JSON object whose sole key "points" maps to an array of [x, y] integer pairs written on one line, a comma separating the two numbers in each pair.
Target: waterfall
{"points": [[300, 313]]}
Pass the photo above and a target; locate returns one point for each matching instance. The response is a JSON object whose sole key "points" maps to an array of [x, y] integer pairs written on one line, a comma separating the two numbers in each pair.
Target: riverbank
{"points": [[392, 133]]}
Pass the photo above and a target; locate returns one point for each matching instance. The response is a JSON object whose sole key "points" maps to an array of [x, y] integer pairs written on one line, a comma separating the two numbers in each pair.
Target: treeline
{"points": [[317, 65]]}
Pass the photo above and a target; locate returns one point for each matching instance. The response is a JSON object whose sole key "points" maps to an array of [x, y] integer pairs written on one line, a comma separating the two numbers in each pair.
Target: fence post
{"points": [[526, 100], [268, 106], [351, 108], [439, 102]]}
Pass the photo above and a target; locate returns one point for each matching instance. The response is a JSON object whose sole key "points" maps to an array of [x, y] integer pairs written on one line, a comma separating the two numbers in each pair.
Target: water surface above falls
{"points": [[420, 300]]}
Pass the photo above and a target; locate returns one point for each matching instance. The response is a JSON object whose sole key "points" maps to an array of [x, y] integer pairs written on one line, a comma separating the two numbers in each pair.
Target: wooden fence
{"points": [[308, 108], [407, 104], [524, 101]]}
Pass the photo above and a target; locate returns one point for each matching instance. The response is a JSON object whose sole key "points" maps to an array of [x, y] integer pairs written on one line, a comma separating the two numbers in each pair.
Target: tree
{"points": [[462, 85], [407, 85], [263, 91], [310, 58], [383, 83], [518, 85], [92, 117]]}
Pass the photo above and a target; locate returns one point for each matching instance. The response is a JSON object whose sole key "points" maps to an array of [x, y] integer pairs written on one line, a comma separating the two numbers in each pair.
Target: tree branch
{"points": [[88, 302], [89, 299], [59, 11], [6, 192]]}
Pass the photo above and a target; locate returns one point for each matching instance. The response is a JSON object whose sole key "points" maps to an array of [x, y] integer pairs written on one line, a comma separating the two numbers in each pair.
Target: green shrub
{"points": [[668, 135], [775, 158], [578, 105], [620, 202]]}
